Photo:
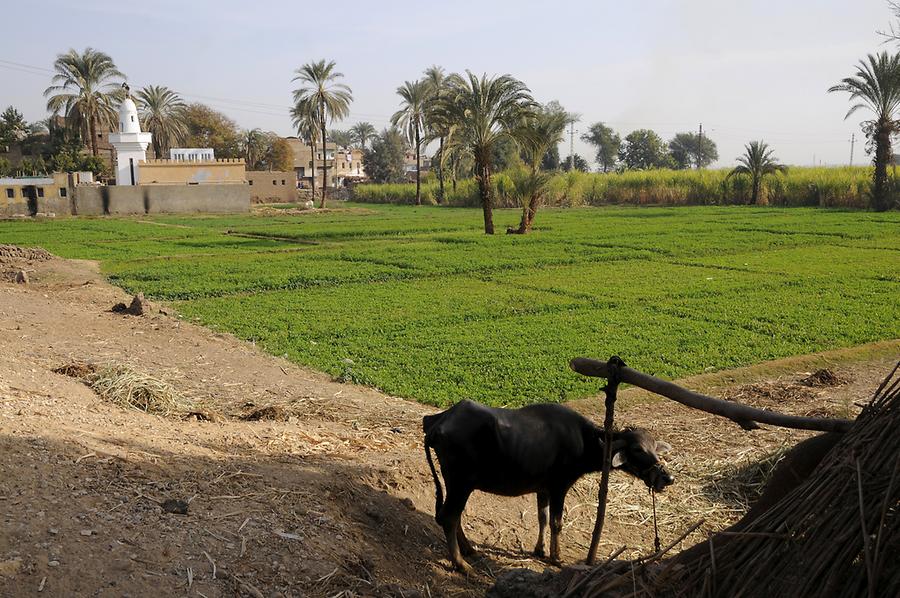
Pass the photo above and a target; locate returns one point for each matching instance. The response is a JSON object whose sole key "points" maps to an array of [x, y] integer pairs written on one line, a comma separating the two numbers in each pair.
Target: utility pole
{"points": [[571, 145], [699, 146], [852, 142]]}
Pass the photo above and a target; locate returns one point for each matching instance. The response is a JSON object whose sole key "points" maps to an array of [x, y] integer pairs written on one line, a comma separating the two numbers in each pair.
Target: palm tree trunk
{"points": [[441, 173], [324, 155], [418, 171], [93, 125], [483, 174], [312, 176], [529, 211], [754, 193], [882, 157]]}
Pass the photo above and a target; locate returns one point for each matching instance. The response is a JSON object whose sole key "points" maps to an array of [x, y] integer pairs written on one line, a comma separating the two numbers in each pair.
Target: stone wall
{"points": [[272, 186], [161, 199]]}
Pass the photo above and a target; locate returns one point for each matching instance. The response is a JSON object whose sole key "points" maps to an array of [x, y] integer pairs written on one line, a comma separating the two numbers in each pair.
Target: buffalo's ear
{"points": [[662, 447], [619, 459]]}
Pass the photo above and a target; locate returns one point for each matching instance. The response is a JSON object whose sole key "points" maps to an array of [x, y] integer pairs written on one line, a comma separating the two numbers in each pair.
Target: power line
{"points": [[267, 109]]}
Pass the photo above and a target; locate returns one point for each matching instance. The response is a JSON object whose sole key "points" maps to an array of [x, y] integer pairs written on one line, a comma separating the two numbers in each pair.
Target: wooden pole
{"points": [[745, 416], [613, 366]]}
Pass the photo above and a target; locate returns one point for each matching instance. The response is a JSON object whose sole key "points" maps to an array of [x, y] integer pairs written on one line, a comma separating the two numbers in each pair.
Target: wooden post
{"points": [[610, 389], [745, 416]]}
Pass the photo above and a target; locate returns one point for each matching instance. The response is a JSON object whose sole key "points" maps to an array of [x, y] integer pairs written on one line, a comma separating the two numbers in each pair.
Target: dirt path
{"points": [[335, 498]]}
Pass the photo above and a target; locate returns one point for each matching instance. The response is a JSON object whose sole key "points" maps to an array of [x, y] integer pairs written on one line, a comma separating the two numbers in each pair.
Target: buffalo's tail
{"points": [[438, 490]]}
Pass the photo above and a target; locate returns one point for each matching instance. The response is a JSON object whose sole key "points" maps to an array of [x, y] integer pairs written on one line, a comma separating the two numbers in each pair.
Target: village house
{"points": [[409, 164], [36, 195], [272, 186], [344, 165]]}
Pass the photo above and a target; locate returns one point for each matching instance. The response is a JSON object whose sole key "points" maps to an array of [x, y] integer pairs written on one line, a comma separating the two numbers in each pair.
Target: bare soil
{"points": [[294, 484]]}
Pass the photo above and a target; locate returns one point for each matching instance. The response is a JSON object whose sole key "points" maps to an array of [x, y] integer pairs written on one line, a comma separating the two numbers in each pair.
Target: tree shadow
{"points": [[96, 521]]}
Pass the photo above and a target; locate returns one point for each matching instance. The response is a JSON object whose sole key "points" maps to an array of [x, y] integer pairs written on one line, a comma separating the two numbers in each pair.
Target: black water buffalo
{"points": [[540, 448]]}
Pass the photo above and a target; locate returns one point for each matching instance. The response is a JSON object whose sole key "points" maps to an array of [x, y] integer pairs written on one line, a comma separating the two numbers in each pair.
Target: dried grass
{"points": [[123, 386]]}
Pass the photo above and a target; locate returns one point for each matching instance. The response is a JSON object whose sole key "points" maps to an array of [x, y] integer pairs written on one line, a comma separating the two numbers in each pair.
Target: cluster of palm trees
{"points": [[87, 89], [469, 115]]}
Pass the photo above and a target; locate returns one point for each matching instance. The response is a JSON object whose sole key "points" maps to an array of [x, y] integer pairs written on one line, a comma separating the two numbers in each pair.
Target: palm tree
{"points": [[411, 120], [253, 143], [303, 115], [758, 162], [331, 100], [482, 111], [341, 138], [162, 112], [362, 132], [876, 86], [84, 88], [537, 134], [437, 128]]}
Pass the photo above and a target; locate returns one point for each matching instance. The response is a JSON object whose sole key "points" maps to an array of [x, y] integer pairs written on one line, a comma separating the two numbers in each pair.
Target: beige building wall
{"points": [[27, 196], [174, 172], [270, 186]]}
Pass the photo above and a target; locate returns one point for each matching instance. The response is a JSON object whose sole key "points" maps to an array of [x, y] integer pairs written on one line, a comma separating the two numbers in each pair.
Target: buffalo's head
{"points": [[636, 452]]}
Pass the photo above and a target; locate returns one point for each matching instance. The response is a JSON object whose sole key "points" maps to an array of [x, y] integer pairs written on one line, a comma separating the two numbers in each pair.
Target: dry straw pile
{"points": [[125, 387], [836, 534]]}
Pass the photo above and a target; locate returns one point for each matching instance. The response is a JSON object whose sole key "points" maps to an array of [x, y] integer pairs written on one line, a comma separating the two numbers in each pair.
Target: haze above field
{"points": [[746, 71]]}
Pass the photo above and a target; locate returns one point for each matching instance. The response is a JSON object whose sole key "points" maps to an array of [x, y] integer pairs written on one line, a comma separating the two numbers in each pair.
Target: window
{"points": [[40, 191], [10, 193], [282, 181], [310, 164], [274, 182], [62, 191], [250, 182], [132, 119]]}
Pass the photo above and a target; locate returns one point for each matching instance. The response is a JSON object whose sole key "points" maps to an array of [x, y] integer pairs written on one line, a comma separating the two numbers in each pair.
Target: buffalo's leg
{"points": [[448, 518], [543, 502], [465, 547], [557, 501]]}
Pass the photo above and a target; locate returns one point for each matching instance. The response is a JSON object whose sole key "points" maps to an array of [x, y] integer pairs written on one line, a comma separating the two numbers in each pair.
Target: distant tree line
{"points": [[644, 149]]}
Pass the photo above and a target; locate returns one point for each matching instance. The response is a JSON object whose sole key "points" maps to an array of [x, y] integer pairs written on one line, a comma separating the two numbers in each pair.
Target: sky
{"points": [[745, 70]]}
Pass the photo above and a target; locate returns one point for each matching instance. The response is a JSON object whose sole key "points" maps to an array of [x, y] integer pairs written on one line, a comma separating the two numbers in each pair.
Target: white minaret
{"points": [[130, 143]]}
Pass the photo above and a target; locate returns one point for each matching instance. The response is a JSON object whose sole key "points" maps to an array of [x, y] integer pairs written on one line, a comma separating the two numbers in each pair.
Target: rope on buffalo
{"points": [[656, 543], [612, 385]]}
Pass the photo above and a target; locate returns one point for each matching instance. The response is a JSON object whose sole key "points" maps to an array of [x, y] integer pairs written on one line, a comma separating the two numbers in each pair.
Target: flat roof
{"points": [[27, 180]]}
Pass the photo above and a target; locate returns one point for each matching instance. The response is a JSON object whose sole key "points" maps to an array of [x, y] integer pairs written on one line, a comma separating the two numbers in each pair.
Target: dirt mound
{"points": [[824, 377], [272, 413], [138, 307], [34, 254], [769, 393], [76, 370], [16, 275]]}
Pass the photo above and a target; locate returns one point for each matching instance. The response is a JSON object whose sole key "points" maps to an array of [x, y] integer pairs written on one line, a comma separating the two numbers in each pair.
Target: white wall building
{"points": [[130, 143], [192, 154]]}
